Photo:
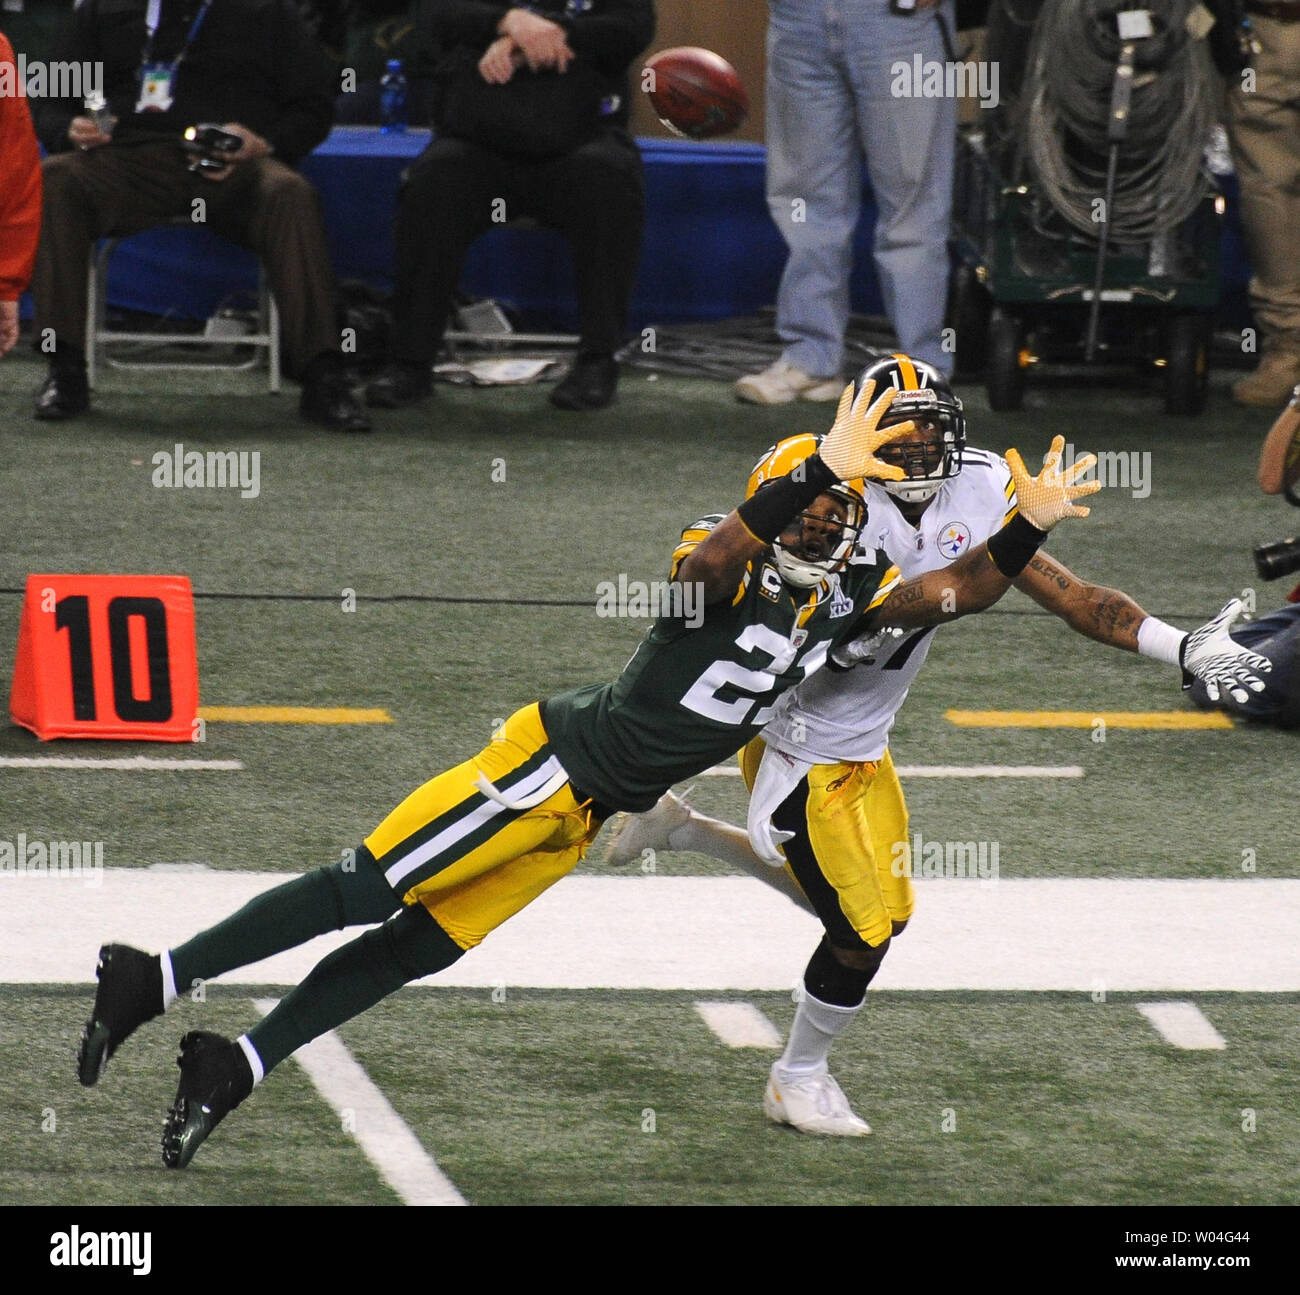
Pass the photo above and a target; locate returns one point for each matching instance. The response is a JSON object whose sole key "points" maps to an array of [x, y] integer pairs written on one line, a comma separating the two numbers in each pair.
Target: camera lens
{"points": [[1277, 559]]}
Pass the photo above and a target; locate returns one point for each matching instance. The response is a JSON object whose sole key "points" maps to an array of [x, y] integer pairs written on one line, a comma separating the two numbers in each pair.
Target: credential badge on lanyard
{"points": [[158, 79]]}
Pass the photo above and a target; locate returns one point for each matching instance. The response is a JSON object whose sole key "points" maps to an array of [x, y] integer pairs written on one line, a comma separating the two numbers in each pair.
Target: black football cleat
{"points": [[214, 1079], [129, 994]]}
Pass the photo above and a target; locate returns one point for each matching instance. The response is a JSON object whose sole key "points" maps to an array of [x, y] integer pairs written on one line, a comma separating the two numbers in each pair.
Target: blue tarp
{"points": [[710, 250]]}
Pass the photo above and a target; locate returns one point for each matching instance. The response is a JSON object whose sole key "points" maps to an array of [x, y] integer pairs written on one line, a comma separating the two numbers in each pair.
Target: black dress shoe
{"points": [[590, 383], [64, 395], [329, 401], [399, 385]]}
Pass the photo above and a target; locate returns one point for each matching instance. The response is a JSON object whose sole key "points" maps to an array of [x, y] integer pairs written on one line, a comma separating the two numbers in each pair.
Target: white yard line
{"points": [[739, 1025], [1183, 1024], [382, 1134], [949, 771], [722, 933], [989, 770], [133, 762]]}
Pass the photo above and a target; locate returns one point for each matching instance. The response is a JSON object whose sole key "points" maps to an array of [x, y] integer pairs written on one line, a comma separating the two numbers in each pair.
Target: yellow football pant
{"points": [[850, 852], [472, 861]]}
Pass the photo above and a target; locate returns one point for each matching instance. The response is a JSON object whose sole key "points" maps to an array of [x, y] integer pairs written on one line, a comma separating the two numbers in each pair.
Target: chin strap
{"points": [[791, 567]]}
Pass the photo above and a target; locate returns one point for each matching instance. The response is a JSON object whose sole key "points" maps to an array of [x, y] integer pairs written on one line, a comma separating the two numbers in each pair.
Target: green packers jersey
{"points": [[693, 696]]}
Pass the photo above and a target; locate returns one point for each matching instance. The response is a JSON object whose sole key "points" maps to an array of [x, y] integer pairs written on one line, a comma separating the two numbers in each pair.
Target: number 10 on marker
{"points": [[107, 656]]}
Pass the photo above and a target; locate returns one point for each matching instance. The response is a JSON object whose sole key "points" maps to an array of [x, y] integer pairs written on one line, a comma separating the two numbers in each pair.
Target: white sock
{"points": [[168, 978], [703, 835], [254, 1061], [815, 1026]]}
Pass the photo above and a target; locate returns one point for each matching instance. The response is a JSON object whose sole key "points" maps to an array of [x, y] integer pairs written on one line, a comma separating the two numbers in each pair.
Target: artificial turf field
{"points": [[476, 594]]}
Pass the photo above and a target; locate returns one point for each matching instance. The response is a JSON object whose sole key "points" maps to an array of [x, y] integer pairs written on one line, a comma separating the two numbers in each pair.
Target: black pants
{"points": [[595, 197], [126, 188]]}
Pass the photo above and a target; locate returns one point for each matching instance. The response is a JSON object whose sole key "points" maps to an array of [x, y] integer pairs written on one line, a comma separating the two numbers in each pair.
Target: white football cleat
{"points": [[813, 1104], [648, 831]]}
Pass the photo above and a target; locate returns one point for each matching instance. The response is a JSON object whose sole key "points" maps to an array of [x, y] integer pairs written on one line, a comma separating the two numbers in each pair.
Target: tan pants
{"points": [[126, 188], [1265, 129]]}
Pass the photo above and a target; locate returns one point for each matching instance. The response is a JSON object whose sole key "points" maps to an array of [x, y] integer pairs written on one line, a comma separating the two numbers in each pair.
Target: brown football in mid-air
{"points": [[695, 92]]}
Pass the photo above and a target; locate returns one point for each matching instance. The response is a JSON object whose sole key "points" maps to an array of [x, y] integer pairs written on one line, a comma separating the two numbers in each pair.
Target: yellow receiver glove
{"points": [[1049, 496], [848, 449]]}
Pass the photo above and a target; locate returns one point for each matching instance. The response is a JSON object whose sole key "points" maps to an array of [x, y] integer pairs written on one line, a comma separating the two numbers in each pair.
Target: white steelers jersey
{"points": [[835, 716]]}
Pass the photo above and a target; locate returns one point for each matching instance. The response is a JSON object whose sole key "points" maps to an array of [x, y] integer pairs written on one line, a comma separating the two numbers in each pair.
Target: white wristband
{"points": [[1161, 641]]}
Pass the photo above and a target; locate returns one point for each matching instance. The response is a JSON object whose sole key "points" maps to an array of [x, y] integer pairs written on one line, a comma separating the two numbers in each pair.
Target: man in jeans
{"points": [[1264, 124], [829, 105]]}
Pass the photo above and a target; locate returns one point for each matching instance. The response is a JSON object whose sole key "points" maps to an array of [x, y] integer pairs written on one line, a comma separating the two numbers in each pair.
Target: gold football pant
{"points": [[850, 851], [472, 847]]}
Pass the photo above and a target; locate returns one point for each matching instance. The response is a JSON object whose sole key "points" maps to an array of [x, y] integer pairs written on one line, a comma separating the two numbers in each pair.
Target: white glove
{"points": [[1220, 663], [867, 648]]}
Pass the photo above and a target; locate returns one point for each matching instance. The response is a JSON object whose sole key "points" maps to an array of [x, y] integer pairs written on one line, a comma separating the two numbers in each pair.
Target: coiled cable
{"points": [[1066, 104]]}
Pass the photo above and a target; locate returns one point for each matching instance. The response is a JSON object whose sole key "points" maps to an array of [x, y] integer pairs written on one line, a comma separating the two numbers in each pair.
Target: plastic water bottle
{"points": [[392, 98]]}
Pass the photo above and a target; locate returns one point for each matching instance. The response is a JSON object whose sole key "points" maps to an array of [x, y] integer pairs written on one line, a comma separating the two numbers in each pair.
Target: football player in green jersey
{"points": [[781, 582]]}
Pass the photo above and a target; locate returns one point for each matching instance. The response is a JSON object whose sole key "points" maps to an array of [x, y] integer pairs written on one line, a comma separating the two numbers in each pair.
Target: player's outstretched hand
{"points": [[849, 448], [1049, 496], [1221, 663]]}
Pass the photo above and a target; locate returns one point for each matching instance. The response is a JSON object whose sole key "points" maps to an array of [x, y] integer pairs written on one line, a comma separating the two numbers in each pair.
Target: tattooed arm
{"points": [[970, 584], [1208, 653], [979, 578], [973, 583], [1107, 615]]}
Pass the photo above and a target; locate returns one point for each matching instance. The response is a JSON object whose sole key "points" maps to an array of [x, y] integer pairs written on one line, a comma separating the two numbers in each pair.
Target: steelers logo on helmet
{"points": [[812, 548], [925, 398]]}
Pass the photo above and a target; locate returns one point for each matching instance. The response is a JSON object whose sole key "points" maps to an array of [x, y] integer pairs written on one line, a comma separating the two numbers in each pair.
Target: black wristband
{"points": [[1188, 677], [1013, 546], [777, 503]]}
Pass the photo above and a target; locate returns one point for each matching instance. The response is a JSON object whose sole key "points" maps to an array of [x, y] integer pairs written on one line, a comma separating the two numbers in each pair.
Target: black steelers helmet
{"points": [[923, 393]]}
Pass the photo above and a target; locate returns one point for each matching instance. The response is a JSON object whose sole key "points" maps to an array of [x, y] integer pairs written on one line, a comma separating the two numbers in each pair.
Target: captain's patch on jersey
{"points": [[954, 540], [769, 583]]}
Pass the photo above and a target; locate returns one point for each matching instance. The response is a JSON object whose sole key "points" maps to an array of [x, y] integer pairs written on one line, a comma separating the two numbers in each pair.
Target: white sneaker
{"points": [[812, 1103], [648, 831], [780, 383]]}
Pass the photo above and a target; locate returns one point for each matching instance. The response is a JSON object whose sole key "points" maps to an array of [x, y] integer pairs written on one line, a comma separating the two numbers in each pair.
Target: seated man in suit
{"points": [[250, 66], [530, 122]]}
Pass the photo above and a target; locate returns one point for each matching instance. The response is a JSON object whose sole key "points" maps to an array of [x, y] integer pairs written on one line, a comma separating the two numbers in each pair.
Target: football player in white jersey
{"points": [[826, 808]]}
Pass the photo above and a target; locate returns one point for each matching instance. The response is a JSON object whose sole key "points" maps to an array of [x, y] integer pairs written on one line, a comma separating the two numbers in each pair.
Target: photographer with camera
{"points": [[1277, 635], [204, 108]]}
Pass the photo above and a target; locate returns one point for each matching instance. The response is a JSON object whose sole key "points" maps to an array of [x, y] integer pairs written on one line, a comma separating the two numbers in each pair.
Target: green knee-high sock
{"points": [[352, 979], [324, 900]]}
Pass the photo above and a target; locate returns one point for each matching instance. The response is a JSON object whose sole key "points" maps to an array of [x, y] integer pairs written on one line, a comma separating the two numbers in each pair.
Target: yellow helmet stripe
{"points": [[908, 370]]}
